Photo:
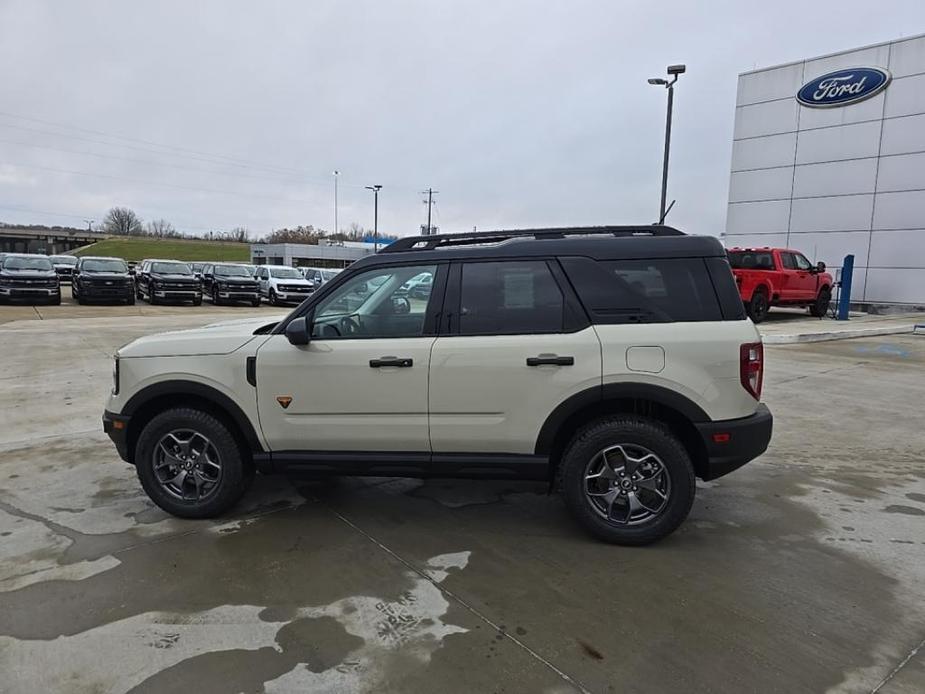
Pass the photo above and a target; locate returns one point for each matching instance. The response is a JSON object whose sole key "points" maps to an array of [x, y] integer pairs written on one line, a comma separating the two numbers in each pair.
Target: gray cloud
{"points": [[520, 113]]}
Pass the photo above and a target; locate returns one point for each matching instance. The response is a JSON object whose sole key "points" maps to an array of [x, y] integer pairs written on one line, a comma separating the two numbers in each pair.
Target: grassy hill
{"points": [[178, 249]]}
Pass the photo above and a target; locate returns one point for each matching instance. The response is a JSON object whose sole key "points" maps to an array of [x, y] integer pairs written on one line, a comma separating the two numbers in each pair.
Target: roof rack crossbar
{"points": [[429, 243]]}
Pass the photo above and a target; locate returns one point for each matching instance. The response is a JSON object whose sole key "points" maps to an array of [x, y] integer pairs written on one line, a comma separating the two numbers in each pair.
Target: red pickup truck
{"points": [[779, 277]]}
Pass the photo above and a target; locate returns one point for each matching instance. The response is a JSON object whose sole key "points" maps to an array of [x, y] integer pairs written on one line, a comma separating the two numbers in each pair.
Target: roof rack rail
{"points": [[429, 243]]}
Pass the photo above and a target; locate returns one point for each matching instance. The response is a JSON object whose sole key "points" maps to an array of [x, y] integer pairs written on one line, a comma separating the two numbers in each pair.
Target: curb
{"points": [[837, 335]]}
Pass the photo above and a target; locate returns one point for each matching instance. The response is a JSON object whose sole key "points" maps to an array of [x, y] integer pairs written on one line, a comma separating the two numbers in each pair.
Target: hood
{"points": [[248, 323], [105, 275], [220, 338], [235, 280], [172, 278], [28, 274], [294, 280]]}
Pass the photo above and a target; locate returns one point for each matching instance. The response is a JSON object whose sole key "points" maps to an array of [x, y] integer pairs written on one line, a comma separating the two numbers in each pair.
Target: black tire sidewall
{"points": [[628, 429], [822, 303], [234, 480], [758, 306]]}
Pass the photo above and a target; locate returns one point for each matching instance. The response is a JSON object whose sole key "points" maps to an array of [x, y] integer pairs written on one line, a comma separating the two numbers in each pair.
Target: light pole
{"points": [[336, 174], [375, 189], [674, 71]]}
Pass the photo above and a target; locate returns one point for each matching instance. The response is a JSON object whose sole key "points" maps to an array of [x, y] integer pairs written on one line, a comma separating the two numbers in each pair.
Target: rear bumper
{"points": [[731, 443], [116, 427]]}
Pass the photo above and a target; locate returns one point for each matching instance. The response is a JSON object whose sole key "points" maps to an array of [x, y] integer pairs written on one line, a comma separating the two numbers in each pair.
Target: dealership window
{"points": [[661, 290], [509, 298]]}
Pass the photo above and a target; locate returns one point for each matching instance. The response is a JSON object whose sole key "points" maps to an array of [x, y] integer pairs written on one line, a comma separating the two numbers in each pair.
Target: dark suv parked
{"points": [[229, 282], [167, 280], [28, 277], [100, 278]]}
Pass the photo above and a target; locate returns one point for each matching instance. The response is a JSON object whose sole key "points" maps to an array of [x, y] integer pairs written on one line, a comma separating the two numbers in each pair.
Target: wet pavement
{"points": [[804, 571]]}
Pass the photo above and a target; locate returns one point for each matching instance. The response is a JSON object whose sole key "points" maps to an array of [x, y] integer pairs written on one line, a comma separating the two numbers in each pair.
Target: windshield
{"points": [[21, 263], [749, 260], [171, 268], [113, 265], [231, 271], [251, 269], [285, 273], [64, 260], [196, 267]]}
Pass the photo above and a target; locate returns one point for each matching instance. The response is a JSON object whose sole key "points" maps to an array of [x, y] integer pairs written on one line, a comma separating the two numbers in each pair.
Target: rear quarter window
{"points": [[660, 290]]}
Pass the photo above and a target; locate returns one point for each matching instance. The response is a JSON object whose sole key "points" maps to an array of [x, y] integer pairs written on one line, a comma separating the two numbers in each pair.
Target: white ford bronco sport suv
{"points": [[617, 363]]}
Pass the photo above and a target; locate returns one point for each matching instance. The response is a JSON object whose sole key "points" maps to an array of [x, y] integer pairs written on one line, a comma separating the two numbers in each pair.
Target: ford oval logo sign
{"points": [[844, 87]]}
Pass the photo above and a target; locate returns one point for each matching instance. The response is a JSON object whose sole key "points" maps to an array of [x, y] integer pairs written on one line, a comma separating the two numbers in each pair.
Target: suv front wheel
{"points": [[190, 464], [628, 480]]}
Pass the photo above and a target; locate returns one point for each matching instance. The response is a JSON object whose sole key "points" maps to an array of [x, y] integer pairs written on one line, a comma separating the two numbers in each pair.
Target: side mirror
{"points": [[297, 332], [820, 266]]}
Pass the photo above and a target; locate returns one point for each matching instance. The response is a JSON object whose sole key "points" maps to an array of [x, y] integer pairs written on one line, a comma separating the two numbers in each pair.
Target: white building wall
{"points": [[834, 181]]}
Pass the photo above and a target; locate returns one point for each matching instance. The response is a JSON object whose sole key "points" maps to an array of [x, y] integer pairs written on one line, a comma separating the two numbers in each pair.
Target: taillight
{"points": [[751, 368]]}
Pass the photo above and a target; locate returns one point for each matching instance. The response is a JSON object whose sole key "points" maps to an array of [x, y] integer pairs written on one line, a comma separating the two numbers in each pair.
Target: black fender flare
{"points": [[614, 391], [179, 388]]}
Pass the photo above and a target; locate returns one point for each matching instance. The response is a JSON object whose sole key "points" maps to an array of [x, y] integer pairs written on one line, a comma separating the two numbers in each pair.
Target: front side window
{"points": [[801, 262], [374, 303], [509, 298], [788, 261]]}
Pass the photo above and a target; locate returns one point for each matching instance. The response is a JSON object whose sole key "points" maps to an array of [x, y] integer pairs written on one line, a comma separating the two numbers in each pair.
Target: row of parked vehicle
{"points": [[32, 277]]}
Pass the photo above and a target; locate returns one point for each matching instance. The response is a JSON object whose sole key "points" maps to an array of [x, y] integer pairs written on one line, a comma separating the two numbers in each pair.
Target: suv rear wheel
{"points": [[627, 480], [190, 464]]}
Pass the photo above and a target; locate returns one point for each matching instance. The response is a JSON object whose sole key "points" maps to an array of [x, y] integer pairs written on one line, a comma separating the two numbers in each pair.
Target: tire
{"points": [[138, 295], [608, 514], [130, 301], [218, 489], [273, 300], [757, 308], [821, 305], [81, 300], [215, 300], [197, 302], [56, 301], [256, 302]]}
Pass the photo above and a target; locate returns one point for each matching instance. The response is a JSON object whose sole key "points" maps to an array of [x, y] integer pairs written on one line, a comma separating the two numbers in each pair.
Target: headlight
{"points": [[4, 282], [115, 376]]}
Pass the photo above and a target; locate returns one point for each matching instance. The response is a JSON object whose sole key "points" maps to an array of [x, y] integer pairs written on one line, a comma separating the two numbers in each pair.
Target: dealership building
{"points": [[829, 158], [332, 254]]}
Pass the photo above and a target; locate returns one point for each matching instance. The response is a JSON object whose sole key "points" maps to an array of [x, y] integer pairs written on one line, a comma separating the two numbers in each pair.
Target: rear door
{"points": [[514, 344]]}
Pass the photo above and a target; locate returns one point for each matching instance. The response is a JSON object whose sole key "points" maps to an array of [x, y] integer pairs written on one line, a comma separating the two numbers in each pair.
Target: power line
{"points": [[430, 204]]}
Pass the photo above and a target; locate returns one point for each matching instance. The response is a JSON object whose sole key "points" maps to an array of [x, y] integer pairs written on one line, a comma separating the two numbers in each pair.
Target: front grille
{"points": [[31, 283], [177, 285], [294, 288]]}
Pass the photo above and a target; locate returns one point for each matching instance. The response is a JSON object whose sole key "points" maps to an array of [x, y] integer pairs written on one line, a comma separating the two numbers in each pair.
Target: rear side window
{"points": [[509, 298], [661, 290], [751, 260]]}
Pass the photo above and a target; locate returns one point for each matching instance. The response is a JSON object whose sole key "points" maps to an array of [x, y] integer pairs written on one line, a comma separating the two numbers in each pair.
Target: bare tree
{"points": [[122, 221], [160, 228], [238, 234]]}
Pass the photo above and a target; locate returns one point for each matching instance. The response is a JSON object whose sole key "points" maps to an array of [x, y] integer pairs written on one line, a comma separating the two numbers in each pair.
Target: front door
{"points": [[361, 382], [515, 351]]}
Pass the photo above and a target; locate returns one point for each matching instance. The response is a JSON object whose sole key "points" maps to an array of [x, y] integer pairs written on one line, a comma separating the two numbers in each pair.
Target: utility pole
{"points": [[336, 174], [430, 203], [89, 224], [375, 188], [674, 71]]}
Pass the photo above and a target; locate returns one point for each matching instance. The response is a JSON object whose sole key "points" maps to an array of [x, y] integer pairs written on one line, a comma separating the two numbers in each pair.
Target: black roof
{"points": [[601, 243]]}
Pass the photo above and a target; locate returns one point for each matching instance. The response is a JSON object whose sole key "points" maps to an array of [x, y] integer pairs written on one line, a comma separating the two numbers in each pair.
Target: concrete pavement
{"points": [[804, 571]]}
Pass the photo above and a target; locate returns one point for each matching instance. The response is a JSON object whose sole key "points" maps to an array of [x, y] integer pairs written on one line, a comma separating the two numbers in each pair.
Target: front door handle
{"points": [[400, 362], [551, 360]]}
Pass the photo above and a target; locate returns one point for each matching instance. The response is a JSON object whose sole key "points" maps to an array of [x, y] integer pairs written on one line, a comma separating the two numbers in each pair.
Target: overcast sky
{"points": [[519, 113]]}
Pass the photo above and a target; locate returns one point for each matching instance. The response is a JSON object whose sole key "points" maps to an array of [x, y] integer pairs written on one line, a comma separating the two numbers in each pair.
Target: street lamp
{"points": [[375, 189], [336, 174], [673, 71]]}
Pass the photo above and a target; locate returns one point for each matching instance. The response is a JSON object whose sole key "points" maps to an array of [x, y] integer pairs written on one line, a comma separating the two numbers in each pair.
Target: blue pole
{"points": [[844, 298]]}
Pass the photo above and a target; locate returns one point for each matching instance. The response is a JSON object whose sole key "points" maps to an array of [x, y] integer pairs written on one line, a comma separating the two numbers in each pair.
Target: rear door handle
{"points": [[400, 362], [550, 359]]}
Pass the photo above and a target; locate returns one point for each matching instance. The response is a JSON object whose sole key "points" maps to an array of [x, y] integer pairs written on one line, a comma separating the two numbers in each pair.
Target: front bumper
{"points": [[178, 294], [116, 427], [731, 443], [248, 295], [292, 297], [30, 292]]}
